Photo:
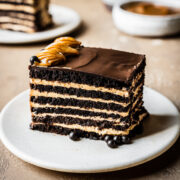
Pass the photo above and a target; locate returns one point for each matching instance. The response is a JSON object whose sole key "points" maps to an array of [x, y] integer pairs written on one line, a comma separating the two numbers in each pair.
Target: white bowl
{"points": [[147, 25], [110, 3]]}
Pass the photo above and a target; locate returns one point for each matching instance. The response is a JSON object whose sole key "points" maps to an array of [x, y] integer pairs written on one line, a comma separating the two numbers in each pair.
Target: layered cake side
{"points": [[87, 92], [25, 15]]}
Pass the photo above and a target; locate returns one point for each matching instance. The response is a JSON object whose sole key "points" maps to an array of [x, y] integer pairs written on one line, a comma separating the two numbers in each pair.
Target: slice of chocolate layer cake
{"points": [[87, 92], [24, 15]]}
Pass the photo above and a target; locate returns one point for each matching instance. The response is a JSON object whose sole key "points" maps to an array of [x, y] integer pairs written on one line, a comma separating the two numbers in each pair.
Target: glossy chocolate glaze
{"points": [[105, 62]]}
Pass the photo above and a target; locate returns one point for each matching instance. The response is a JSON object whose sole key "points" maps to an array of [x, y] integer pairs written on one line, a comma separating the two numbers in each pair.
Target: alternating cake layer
{"points": [[100, 130], [24, 15], [94, 93]]}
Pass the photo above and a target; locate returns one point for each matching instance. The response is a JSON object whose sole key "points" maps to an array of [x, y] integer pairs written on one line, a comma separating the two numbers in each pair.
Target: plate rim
{"points": [[39, 163], [47, 37]]}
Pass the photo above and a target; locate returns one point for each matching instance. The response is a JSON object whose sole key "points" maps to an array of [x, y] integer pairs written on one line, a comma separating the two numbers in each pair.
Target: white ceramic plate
{"points": [[65, 21], [58, 152]]}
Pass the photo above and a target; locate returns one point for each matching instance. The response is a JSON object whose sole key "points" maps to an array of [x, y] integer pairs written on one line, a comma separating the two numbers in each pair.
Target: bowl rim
{"points": [[118, 6]]}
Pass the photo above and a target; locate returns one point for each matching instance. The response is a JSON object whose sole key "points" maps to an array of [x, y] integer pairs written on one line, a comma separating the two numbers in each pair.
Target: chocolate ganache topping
{"points": [[110, 63], [67, 53], [56, 52]]}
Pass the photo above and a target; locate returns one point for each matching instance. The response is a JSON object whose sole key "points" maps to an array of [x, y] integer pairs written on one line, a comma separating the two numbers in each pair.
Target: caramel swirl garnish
{"points": [[57, 51]]}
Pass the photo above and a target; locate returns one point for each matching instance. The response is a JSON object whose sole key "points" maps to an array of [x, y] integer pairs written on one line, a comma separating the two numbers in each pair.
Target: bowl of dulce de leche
{"points": [[147, 18]]}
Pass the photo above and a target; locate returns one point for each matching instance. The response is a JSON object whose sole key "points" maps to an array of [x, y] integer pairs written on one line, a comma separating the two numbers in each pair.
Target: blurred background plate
{"points": [[65, 21]]}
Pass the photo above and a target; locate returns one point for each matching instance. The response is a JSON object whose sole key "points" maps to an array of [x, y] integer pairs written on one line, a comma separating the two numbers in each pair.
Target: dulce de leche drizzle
{"points": [[56, 52], [147, 8]]}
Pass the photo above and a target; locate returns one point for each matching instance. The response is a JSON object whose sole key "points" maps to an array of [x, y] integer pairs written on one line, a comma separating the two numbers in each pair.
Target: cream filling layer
{"points": [[17, 27], [25, 8], [104, 131], [67, 96], [31, 2], [21, 15], [123, 114], [45, 20], [5, 19], [122, 92], [95, 118], [82, 118]]}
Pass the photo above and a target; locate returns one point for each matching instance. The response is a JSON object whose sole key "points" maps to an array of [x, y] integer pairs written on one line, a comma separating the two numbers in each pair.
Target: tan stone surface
{"points": [[162, 74]]}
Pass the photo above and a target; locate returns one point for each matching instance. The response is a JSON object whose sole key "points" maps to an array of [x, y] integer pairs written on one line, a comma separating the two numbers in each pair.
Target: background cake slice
{"points": [[25, 15], [87, 92]]}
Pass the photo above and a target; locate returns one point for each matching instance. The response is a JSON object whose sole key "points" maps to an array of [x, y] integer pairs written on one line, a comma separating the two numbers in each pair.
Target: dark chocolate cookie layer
{"points": [[84, 134], [82, 103], [87, 93], [67, 75], [89, 122]]}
